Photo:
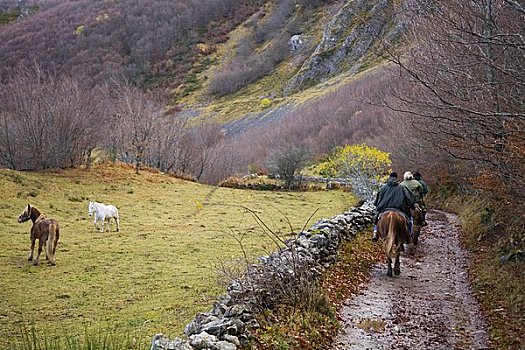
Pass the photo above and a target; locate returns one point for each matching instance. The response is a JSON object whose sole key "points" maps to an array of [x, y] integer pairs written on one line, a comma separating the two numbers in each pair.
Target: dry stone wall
{"points": [[228, 325]]}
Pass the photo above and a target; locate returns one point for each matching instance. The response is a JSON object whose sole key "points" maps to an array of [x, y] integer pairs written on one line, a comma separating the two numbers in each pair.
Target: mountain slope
{"points": [[189, 49], [350, 42], [340, 44], [149, 42]]}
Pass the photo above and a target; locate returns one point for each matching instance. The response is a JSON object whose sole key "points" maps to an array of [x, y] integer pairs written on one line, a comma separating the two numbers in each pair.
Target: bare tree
{"points": [[167, 143], [93, 41], [288, 161], [339, 117], [463, 84], [49, 120], [139, 116], [205, 141]]}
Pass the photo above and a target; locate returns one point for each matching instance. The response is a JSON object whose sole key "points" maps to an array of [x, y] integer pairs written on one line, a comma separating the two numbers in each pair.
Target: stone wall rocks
{"points": [[229, 323]]}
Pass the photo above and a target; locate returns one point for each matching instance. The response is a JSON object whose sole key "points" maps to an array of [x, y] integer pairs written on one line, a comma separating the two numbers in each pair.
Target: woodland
{"points": [[461, 99]]}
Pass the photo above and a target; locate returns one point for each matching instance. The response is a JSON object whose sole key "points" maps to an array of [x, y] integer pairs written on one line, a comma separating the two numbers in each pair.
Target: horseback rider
{"points": [[415, 187], [392, 196], [417, 176]]}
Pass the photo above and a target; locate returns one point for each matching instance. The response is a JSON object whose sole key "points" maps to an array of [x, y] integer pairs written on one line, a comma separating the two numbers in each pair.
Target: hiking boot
{"points": [[375, 236]]}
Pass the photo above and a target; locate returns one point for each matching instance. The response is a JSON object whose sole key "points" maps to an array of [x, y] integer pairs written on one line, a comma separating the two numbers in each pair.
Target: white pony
{"points": [[103, 213]]}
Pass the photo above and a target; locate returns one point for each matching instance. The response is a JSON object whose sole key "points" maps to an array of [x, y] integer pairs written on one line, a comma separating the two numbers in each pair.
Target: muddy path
{"points": [[429, 306]]}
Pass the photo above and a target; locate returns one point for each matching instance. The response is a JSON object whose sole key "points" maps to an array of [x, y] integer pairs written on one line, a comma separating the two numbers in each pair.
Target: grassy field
{"points": [[156, 273]]}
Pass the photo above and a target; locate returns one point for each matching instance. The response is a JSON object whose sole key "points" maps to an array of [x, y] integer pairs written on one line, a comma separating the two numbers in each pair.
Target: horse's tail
{"points": [[390, 244], [50, 246]]}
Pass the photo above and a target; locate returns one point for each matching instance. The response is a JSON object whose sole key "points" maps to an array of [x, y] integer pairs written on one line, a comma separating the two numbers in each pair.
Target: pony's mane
{"points": [[35, 211]]}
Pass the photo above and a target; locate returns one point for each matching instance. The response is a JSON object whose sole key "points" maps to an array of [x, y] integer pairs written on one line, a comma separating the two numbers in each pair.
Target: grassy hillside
{"points": [[152, 276], [259, 96]]}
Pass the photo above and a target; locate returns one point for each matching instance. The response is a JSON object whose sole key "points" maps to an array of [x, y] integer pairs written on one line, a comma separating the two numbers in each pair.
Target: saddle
{"points": [[393, 209]]}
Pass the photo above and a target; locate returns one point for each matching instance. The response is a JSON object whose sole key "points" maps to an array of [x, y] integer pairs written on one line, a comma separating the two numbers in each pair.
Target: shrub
{"points": [[288, 161], [362, 165], [260, 184], [265, 103]]}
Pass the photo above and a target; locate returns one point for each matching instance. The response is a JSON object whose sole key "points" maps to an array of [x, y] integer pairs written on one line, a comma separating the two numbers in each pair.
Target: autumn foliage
{"points": [[364, 166], [316, 327], [143, 41]]}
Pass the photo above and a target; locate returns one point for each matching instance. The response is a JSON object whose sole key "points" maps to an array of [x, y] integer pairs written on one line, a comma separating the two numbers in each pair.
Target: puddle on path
{"points": [[429, 306]]}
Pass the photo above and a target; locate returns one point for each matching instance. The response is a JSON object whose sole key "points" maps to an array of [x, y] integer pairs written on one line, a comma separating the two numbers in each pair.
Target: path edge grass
{"points": [[487, 230]]}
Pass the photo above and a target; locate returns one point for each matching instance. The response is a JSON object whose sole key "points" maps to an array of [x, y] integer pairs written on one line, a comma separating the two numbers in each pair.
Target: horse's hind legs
{"points": [[416, 238], [30, 257], [389, 269], [39, 251], [397, 266]]}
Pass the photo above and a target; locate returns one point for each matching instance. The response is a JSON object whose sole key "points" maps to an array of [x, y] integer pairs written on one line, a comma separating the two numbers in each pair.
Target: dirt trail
{"points": [[429, 306]]}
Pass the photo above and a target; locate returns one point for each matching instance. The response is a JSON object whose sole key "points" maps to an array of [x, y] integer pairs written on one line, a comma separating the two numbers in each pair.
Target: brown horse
{"points": [[417, 223], [43, 229], [393, 231]]}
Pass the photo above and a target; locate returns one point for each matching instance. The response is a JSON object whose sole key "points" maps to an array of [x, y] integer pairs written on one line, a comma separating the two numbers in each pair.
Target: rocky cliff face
{"points": [[348, 41]]}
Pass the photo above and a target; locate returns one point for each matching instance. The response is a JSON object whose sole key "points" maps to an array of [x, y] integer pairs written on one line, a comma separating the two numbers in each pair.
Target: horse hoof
{"points": [[397, 272], [30, 258], [35, 263]]}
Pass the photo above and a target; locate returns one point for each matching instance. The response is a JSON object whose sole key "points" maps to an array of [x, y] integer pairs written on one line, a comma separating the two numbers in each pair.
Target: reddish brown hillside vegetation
{"points": [[136, 39]]}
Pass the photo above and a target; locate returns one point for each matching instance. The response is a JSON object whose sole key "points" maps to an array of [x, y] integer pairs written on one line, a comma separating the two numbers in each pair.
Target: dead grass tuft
{"points": [[316, 327]]}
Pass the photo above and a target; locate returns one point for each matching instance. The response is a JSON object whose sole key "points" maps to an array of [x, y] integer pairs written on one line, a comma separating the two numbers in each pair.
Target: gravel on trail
{"points": [[429, 306]]}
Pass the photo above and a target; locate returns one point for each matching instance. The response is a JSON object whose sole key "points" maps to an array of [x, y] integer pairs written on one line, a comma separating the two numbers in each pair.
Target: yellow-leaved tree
{"points": [[362, 165]]}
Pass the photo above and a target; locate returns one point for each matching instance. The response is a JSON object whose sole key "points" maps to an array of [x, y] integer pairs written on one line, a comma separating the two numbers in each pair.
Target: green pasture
{"points": [[151, 277]]}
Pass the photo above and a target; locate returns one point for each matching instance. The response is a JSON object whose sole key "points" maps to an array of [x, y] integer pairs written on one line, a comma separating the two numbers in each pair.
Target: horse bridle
{"points": [[92, 209], [24, 218]]}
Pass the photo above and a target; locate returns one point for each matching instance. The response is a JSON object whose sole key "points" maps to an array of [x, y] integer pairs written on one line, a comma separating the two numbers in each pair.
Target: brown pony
{"points": [[393, 231], [417, 223], [43, 229]]}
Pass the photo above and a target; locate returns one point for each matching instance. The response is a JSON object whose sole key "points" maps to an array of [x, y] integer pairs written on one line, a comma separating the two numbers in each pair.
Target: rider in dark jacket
{"points": [[392, 196], [417, 176]]}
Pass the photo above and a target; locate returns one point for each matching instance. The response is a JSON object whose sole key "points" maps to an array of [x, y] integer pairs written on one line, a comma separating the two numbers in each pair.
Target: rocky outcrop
{"points": [[348, 41], [229, 323]]}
